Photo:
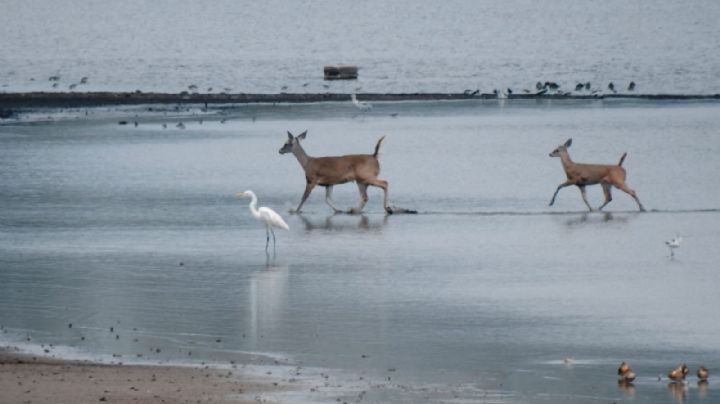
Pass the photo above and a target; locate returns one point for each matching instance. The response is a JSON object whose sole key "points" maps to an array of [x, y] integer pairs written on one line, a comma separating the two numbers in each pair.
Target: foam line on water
{"points": [[563, 213]]}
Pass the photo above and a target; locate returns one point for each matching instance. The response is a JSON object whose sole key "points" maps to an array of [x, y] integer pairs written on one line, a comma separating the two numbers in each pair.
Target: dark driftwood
{"points": [[340, 72]]}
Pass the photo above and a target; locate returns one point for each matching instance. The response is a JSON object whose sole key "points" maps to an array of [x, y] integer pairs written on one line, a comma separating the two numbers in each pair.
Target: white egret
{"points": [[363, 106], [265, 215], [673, 244]]}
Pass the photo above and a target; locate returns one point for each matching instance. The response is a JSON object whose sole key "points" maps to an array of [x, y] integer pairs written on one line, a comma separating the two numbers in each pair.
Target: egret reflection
{"points": [[268, 290]]}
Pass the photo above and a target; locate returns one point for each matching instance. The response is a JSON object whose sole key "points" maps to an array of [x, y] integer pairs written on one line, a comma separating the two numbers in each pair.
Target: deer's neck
{"points": [[301, 156], [567, 163]]}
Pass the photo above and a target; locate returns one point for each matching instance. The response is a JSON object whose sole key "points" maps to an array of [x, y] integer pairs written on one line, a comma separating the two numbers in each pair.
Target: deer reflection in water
{"points": [[604, 217], [343, 223]]}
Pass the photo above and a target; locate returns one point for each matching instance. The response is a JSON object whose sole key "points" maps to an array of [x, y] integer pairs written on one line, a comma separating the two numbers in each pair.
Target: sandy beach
{"points": [[31, 379]]}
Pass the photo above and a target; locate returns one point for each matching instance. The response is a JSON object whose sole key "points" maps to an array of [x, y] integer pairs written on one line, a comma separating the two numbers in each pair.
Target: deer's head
{"points": [[560, 149], [292, 142]]}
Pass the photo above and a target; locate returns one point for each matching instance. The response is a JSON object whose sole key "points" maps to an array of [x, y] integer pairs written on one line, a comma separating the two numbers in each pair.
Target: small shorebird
{"points": [[552, 85], [631, 86], [673, 244], [579, 86], [362, 106], [678, 374], [501, 94], [625, 372], [611, 87], [702, 374]]}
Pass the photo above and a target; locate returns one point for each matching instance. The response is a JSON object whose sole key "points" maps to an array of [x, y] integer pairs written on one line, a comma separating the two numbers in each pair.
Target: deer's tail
{"points": [[377, 147], [622, 159]]}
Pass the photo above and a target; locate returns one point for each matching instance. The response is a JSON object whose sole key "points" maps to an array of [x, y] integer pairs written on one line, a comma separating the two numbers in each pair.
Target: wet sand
{"points": [[30, 379]]}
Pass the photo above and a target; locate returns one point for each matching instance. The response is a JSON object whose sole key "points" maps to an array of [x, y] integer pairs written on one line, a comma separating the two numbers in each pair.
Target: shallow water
{"points": [[665, 46], [479, 297]]}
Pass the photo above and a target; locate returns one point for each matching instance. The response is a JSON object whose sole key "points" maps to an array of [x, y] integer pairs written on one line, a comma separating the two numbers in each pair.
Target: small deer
{"points": [[331, 171], [581, 175]]}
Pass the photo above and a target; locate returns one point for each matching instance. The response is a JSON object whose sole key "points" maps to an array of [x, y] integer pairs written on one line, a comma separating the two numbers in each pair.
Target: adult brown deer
{"points": [[331, 171], [581, 175]]}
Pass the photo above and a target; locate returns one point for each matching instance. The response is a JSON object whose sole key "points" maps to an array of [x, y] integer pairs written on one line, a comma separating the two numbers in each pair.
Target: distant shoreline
{"points": [[91, 99]]}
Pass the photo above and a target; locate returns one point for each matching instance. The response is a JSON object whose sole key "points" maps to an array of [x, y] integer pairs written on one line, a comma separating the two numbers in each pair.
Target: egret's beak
{"points": [[240, 194]]}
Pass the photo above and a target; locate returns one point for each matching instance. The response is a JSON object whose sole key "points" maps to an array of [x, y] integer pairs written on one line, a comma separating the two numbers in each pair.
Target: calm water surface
{"points": [[665, 46], [479, 297]]}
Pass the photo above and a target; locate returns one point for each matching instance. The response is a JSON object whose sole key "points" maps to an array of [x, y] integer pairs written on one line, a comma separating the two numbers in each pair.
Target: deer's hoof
{"points": [[389, 210], [353, 211]]}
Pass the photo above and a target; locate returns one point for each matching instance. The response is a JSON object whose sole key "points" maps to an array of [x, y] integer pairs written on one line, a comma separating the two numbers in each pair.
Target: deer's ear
{"points": [[290, 136], [568, 143], [302, 135]]}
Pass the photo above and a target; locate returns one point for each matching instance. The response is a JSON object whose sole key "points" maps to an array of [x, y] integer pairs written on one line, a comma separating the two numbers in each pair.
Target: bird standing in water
{"points": [[678, 374], [362, 106], [265, 215], [626, 373], [702, 374], [673, 244]]}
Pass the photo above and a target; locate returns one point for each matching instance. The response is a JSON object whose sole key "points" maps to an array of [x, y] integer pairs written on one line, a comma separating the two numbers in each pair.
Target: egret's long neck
{"points": [[253, 206]]}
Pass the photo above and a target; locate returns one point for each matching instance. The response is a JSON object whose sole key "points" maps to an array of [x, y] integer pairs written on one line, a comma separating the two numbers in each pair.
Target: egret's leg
{"points": [[273, 234], [267, 237]]}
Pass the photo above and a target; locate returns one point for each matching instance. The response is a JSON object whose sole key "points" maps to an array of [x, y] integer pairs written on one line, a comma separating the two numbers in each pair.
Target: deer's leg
{"points": [[328, 198], [308, 188], [362, 187], [623, 187], [584, 196], [377, 182], [561, 186], [608, 194]]}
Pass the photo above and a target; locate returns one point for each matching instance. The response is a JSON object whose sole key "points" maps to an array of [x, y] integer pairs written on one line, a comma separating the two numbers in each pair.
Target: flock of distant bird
{"points": [[677, 374], [56, 82], [541, 88], [551, 87]]}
